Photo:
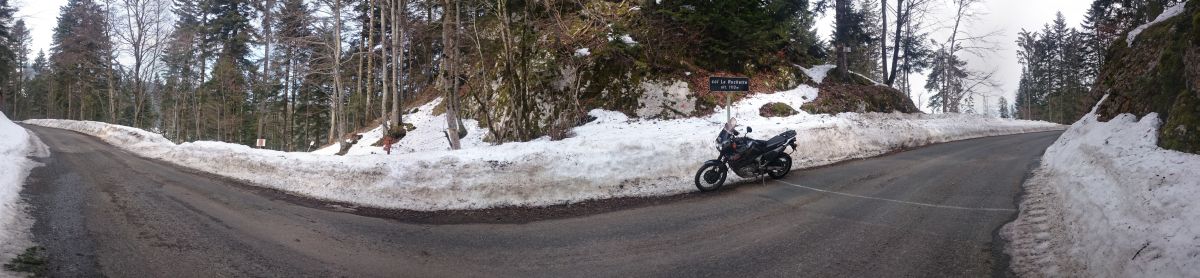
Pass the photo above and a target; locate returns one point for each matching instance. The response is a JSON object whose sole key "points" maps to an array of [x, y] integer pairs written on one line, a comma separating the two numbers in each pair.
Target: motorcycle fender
{"points": [[771, 155], [714, 162]]}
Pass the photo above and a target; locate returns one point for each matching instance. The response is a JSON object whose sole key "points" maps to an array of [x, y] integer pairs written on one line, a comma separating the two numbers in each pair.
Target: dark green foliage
{"points": [[864, 55], [1055, 73], [8, 53], [736, 33], [79, 59], [230, 28], [946, 68]]}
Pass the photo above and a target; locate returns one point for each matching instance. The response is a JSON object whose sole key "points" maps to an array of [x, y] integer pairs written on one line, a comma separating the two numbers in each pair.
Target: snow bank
{"points": [[16, 144], [613, 156], [1166, 14], [1108, 202], [818, 73], [428, 136]]}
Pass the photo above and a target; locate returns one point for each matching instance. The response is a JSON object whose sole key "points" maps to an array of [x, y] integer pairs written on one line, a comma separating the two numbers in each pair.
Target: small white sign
{"points": [[260, 142]]}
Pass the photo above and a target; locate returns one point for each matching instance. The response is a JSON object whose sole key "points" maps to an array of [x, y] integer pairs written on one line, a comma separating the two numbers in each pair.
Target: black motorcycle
{"points": [[747, 157]]}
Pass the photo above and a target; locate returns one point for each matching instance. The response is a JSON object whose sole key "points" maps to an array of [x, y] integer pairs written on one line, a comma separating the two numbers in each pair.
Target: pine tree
{"points": [[229, 29], [1003, 106], [1054, 75], [79, 60], [37, 90], [294, 31], [945, 80], [19, 45], [864, 56], [8, 59]]}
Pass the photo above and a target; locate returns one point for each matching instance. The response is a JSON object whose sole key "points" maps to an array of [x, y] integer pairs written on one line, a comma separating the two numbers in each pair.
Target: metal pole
{"points": [[728, 109]]}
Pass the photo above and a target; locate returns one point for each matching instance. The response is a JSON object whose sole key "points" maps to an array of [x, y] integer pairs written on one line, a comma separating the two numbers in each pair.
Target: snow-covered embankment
{"points": [[1108, 202], [613, 156], [16, 144]]}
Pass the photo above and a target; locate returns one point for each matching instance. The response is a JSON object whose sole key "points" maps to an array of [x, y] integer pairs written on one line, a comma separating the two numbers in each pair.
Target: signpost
{"points": [[260, 143], [729, 85]]}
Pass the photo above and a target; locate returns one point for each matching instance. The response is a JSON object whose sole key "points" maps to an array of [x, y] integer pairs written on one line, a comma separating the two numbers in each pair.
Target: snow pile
{"points": [[583, 52], [16, 144], [1108, 202], [307, 174], [429, 135], [1166, 14], [625, 38], [612, 156], [818, 73]]}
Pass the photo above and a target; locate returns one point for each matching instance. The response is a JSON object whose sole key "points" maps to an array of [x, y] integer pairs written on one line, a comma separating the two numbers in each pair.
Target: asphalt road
{"points": [[931, 211]]}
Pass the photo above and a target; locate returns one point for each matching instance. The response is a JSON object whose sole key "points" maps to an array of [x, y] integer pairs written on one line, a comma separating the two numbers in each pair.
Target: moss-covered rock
{"points": [[1159, 73], [776, 109], [840, 97]]}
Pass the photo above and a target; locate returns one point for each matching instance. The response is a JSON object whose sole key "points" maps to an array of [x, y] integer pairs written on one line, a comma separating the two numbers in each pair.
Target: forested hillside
{"points": [[1156, 69], [297, 72], [304, 73], [1062, 64]]}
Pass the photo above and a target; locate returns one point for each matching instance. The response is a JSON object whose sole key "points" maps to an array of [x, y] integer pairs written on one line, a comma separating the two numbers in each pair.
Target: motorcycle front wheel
{"points": [[710, 177], [783, 164]]}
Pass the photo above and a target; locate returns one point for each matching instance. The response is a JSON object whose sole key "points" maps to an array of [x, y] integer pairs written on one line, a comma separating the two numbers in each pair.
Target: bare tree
{"points": [[266, 77], [449, 75], [142, 27], [954, 87], [331, 42], [399, 27], [906, 12]]}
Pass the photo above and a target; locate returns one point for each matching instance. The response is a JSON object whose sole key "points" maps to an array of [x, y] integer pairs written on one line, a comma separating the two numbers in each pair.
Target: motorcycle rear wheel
{"points": [[710, 177], [783, 160]]}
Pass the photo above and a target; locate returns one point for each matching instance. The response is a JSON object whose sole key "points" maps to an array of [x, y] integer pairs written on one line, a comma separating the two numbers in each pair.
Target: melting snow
{"points": [[1167, 14], [612, 156], [16, 145], [818, 73], [1108, 202]]}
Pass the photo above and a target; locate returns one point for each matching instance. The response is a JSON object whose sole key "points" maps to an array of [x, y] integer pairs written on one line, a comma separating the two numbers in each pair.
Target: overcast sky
{"points": [[1009, 16], [40, 16]]}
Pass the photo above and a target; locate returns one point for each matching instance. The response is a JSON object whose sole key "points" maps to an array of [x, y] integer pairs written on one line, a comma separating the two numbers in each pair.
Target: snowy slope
{"points": [[613, 156], [817, 73], [1108, 202], [1166, 14], [15, 145], [427, 136]]}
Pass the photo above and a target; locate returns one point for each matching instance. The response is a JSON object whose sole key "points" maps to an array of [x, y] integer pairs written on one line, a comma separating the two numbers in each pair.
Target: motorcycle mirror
{"points": [[749, 129]]}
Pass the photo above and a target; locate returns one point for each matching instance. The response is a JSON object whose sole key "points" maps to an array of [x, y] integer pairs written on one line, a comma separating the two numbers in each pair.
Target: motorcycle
{"points": [[746, 157]]}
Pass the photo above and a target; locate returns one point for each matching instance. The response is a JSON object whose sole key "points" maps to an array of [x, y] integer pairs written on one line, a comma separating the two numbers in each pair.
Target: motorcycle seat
{"points": [[780, 139]]}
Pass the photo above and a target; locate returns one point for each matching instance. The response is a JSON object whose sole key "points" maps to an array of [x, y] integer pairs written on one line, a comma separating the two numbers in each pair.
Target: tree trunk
{"points": [[370, 75], [398, 33], [449, 80], [112, 96], [265, 77], [883, 59], [902, 22], [842, 24], [339, 123]]}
